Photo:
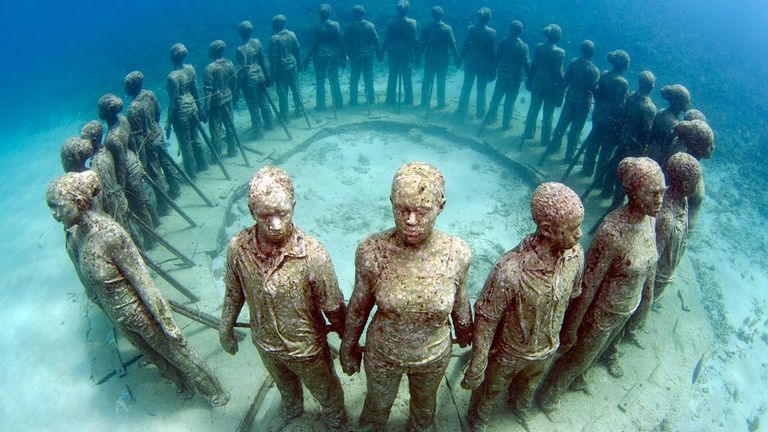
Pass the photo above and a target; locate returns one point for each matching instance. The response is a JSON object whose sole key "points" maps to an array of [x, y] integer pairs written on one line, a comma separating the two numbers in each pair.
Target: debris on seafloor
{"points": [[682, 302], [125, 402], [698, 368]]}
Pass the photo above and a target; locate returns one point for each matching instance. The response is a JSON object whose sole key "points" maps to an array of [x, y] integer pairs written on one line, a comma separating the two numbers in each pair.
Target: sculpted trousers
{"points": [[399, 67], [574, 113], [508, 88], [318, 375], [286, 81], [192, 154], [258, 107], [537, 100], [383, 380], [436, 68], [360, 65], [470, 74], [327, 68], [220, 120]]}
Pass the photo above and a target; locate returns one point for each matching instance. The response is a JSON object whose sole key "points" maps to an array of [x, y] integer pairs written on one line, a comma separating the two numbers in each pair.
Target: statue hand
{"points": [[228, 341], [350, 360], [472, 383]]}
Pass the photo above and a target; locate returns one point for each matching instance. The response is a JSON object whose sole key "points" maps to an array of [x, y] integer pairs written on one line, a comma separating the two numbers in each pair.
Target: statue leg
{"points": [[423, 383], [167, 370], [512, 89], [333, 79], [321, 66], [429, 76], [441, 71], [537, 99], [523, 386], [355, 67], [499, 91], [392, 64], [466, 89], [288, 384], [406, 71], [383, 381], [483, 400], [578, 120], [370, 94], [320, 378]]}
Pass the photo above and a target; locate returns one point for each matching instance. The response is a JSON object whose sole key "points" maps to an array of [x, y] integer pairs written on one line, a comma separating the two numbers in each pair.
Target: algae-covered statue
{"points": [[478, 53], [511, 62], [521, 307], [661, 145], [74, 153], [544, 81], [416, 277], [185, 112], [219, 87], [116, 279], [610, 99], [361, 44], [328, 55], [284, 57], [699, 141], [252, 79], [400, 47], [579, 84], [619, 271], [287, 279], [436, 45]]}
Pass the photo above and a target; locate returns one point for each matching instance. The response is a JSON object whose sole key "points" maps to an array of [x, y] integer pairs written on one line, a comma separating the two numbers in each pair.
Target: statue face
{"points": [[64, 210], [415, 208], [274, 214], [566, 234], [650, 195]]}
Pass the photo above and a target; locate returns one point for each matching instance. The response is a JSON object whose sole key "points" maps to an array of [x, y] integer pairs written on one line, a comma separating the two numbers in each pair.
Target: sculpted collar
{"points": [[295, 246], [532, 261]]}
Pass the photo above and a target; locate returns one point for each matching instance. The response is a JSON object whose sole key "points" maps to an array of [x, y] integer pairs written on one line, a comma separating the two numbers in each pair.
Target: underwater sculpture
{"points": [[127, 164], [284, 57], [185, 112], [579, 84], [252, 79], [661, 146], [416, 276], [619, 271], [699, 141], [544, 81], [400, 47], [287, 279], [219, 87], [478, 53], [74, 153], [115, 278], [361, 45], [327, 55], [634, 135], [520, 310], [610, 99], [511, 62], [147, 135], [436, 46]]}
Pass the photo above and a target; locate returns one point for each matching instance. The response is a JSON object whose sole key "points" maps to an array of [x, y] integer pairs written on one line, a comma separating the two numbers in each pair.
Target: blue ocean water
{"points": [[57, 58]]}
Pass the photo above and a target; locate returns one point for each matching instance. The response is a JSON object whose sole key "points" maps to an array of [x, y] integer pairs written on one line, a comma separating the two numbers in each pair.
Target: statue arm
{"points": [[172, 87], [461, 315], [452, 43], [207, 88], [234, 299], [194, 91], [325, 287], [360, 305]]}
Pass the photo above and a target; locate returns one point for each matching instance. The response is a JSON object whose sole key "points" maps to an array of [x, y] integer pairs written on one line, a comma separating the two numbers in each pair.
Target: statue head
{"points": [[278, 23], [70, 195], [216, 49], [245, 29], [437, 13], [515, 28], [402, 7], [694, 114], [93, 131], [271, 202], [484, 15], [697, 137], [683, 173], [587, 49], [677, 96], [74, 152], [358, 12], [178, 53], [619, 59], [324, 11], [558, 214], [417, 197], [109, 106], [645, 82], [643, 182], [552, 32], [133, 83]]}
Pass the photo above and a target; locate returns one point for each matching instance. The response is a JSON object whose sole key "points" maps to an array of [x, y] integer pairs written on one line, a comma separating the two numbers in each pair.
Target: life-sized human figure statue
{"points": [[479, 56], [400, 47], [287, 279], [436, 45], [694, 114], [127, 165], [327, 54], [147, 135], [511, 62], [185, 112], [111, 198], [620, 270], [661, 146], [521, 307], [610, 98], [252, 79], [579, 83], [416, 277], [699, 141], [284, 57], [116, 279], [74, 153], [219, 87], [634, 135], [361, 44], [544, 82]]}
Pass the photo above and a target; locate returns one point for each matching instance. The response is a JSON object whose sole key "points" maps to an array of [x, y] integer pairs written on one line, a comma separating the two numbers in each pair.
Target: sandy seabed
{"points": [[56, 347]]}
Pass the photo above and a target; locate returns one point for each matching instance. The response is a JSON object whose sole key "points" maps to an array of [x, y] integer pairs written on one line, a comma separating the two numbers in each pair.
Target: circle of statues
{"points": [[546, 313]]}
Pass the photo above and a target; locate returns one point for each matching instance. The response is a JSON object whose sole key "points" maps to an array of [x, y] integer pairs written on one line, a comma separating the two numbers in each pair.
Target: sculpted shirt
{"points": [[546, 73], [143, 116], [283, 53], [286, 298], [581, 79], [528, 299], [512, 58], [361, 40], [220, 83], [437, 42], [415, 292]]}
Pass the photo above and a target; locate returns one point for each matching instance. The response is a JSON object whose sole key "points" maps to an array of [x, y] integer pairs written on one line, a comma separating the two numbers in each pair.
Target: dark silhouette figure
{"points": [[663, 134], [478, 55], [437, 44], [511, 62], [400, 47], [361, 44], [252, 79], [328, 56], [284, 63], [219, 87]]}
